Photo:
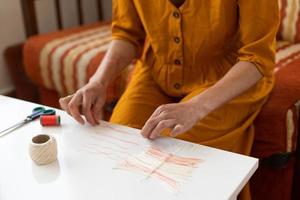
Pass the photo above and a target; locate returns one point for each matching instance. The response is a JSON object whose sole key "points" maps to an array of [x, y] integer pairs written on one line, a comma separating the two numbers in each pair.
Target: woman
{"points": [[205, 71]]}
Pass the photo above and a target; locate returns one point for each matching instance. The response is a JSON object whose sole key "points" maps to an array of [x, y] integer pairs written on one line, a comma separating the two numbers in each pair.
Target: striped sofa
{"points": [[61, 62]]}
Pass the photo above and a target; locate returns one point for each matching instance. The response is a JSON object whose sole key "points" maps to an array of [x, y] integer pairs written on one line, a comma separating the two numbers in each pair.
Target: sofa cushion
{"points": [[63, 61], [277, 125], [290, 20]]}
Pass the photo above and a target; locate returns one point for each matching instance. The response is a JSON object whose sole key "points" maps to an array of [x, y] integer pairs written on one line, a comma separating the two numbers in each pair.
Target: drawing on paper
{"points": [[168, 168], [133, 155]]}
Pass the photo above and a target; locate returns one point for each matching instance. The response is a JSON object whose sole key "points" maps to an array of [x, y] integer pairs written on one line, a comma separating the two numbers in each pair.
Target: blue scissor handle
{"points": [[39, 111], [49, 112]]}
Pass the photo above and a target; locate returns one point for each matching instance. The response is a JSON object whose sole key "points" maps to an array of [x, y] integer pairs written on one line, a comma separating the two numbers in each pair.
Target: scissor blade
{"points": [[10, 129]]}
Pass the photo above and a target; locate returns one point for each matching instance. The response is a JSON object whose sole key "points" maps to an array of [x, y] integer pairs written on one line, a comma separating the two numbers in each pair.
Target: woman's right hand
{"points": [[90, 99], [87, 101]]}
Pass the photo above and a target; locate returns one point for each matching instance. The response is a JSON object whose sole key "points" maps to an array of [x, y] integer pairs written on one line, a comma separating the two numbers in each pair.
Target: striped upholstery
{"points": [[64, 61], [286, 53], [290, 20]]}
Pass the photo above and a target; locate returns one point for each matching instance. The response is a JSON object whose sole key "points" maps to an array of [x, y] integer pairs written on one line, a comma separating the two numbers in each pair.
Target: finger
{"points": [[97, 110], [99, 116], [74, 106], [178, 129], [86, 109], [150, 124], [63, 102], [153, 120], [162, 125]]}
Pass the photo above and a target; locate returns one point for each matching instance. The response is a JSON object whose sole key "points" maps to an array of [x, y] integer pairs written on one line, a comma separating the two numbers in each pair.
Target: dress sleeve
{"points": [[126, 24], [258, 24]]}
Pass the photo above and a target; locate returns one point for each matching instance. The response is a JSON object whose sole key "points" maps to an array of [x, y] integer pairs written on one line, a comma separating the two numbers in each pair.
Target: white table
{"points": [[80, 174]]}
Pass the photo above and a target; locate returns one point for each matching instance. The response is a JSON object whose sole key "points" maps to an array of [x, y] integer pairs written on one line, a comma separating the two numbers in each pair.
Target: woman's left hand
{"points": [[179, 117]]}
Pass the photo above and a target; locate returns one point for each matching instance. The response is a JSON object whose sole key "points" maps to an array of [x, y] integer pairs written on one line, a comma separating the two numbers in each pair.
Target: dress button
{"points": [[177, 62], [177, 86], [176, 14], [177, 40]]}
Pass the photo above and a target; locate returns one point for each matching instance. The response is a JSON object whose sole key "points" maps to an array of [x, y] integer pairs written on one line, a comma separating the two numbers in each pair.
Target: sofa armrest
{"points": [[277, 125]]}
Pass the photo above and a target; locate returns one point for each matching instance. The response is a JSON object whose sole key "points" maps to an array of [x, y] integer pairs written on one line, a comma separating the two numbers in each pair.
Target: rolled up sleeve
{"points": [[126, 24], [258, 24]]}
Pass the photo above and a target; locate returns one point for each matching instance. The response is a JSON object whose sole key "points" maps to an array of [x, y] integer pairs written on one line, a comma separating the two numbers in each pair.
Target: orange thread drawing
{"points": [[168, 168]]}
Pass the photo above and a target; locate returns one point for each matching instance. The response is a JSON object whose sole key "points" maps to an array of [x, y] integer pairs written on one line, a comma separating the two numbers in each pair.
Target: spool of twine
{"points": [[43, 149]]}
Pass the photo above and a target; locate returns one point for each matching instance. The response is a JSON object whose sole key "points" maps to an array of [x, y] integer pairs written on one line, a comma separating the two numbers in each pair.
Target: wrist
{"points": [[201, 106], [101, 82], [102, 76]]}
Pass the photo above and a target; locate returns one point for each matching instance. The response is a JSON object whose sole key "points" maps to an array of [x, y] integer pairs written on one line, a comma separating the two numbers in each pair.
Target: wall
{"points": [[12, 28], [11, 31]]}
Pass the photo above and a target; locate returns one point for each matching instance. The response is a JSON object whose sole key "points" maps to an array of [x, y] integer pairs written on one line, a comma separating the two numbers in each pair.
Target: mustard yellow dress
{"points": [[183, 51]]}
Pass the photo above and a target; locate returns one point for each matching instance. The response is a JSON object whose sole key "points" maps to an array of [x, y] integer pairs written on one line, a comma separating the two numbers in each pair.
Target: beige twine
{"points": [[43, 149]]}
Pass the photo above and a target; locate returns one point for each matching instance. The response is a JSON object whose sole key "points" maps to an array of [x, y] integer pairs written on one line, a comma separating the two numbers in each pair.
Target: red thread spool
{"points": [[50, 120]]}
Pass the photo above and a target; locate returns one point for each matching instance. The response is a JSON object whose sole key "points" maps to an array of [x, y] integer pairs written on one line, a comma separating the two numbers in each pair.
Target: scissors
{"points": [[36, 113]]}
